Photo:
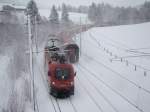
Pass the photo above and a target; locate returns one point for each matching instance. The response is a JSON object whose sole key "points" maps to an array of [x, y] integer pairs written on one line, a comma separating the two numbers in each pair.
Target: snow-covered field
{"points": [[75, 17], [102, 85]]}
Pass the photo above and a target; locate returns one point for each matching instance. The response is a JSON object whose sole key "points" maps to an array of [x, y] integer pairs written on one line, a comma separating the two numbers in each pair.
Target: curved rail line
{"points": [[104, 97], [118, 74], [91, 97], [115, 91]]}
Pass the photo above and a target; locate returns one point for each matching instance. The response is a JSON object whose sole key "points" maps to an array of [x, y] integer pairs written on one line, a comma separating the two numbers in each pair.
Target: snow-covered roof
{"points": [[12, 5], [18, 7], [1, 6]]}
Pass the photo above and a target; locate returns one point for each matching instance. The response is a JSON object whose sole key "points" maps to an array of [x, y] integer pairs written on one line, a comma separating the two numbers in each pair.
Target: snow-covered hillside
{"points": [[103, 85]]}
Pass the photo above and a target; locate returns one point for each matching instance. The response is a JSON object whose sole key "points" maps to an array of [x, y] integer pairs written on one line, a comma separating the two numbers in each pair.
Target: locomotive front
{"points": [[61, 78]]}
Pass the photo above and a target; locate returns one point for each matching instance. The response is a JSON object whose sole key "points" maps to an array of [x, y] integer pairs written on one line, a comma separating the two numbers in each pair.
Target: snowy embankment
{"points": [[102, 85], [4, 89], [77, 18], [14, 91], [14, 76], [124, 82]]}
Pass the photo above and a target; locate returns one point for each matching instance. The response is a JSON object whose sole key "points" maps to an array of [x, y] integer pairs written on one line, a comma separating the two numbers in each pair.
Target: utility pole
{"points": [[36, 35], [30, 49], [31, 59], [80, 36]]}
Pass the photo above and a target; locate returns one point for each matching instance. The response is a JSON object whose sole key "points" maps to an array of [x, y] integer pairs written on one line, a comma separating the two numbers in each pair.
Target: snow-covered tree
{"points": [[145, 11], [100, 14], [92, 13], [105, 14], [32, 10], [64, 15], [54, 18]]}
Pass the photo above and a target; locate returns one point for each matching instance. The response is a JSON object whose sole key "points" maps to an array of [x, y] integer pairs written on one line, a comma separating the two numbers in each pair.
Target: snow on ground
{"points": [[79, 17], [102, 85], [5, 90], [14, 76], [99, 45], [132, 40], [75, 17]]}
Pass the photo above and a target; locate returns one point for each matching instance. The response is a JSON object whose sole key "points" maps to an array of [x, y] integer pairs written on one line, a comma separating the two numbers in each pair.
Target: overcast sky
{"points": [[49, 3]]}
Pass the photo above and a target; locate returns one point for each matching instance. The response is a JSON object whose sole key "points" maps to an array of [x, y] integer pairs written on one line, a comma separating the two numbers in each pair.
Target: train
{"points": [[70, 49], [60, 58], [73, 52]]}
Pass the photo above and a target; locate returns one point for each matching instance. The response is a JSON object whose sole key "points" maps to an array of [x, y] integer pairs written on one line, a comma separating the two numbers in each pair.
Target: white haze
{"points": [[49, 3]]}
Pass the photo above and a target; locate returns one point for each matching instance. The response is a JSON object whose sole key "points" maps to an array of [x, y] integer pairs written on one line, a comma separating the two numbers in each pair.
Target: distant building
{"points": [[12, 14]]}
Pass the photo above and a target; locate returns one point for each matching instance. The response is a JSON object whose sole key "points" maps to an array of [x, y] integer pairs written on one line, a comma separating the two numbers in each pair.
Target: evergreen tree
{"points": [[64, 15], [54, 18], [145, 11], [92, 13], [100, 10], [32, 9]]}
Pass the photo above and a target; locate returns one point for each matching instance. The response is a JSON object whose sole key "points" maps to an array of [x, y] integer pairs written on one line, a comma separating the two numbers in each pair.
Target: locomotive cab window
{"points": [[62, 74]]}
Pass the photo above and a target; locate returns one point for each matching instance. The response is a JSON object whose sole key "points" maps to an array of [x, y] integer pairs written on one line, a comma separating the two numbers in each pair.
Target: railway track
{"points": [[99, 91], [118, 74], [112, 89]]}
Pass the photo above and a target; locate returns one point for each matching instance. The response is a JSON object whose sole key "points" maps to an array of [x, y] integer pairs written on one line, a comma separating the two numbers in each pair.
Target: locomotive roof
{"points": [[53, 66], [72, 45], [50, 43]]}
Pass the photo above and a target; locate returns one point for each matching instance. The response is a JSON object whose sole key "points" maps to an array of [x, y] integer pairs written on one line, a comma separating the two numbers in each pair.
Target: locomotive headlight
{"points": [[53, 83], [72, 83]]}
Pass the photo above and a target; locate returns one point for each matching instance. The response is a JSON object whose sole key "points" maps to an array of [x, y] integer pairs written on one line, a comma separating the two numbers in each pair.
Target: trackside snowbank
{"points": [[4, 78]]}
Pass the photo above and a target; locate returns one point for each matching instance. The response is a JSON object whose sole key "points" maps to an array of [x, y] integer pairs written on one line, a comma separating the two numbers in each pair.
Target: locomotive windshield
{"points": [[62, 74]]}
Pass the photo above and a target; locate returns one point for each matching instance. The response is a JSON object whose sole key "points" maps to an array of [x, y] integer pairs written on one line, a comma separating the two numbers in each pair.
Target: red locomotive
{"points": [[60, 73], [61, 78]]}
